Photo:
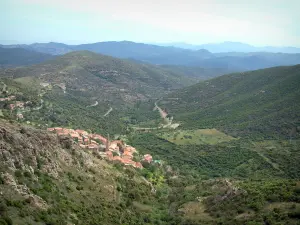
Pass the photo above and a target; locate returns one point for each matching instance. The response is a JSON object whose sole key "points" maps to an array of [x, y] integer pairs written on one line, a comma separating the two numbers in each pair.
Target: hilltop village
{"points": [[115, 150]]}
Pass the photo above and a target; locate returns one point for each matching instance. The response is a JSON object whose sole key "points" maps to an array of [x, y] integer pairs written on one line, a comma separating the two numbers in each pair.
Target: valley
{"points": [[92, 139]]}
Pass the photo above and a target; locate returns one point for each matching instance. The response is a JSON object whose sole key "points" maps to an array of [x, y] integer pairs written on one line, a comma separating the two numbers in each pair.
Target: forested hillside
{"points": [[233, 159], [88, 90], [12, 57], [263, 103], [86, 71]]}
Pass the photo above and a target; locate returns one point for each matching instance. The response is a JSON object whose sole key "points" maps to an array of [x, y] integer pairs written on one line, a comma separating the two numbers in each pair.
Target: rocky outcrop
{"points": [[23, 190]]}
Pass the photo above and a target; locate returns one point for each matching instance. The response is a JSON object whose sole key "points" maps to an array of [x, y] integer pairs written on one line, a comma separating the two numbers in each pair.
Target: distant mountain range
{"points": [[229, 46], [161, 55], [21, 57]]}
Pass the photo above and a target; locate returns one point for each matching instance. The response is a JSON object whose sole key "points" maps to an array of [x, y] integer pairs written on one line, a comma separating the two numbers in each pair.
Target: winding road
{"points": [[108, 112], [93, 105]]}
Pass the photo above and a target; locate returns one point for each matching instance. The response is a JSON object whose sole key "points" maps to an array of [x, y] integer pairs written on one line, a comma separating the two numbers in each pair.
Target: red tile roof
{"points": [[138, 165], [148, 157]]}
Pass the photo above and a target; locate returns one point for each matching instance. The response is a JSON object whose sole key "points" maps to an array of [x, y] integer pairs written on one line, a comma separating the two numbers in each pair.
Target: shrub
{"points": [[27, 174]]}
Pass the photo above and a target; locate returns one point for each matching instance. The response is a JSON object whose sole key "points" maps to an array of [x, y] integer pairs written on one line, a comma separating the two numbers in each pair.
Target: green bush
{"points": [[18, 173], [27, 174]]}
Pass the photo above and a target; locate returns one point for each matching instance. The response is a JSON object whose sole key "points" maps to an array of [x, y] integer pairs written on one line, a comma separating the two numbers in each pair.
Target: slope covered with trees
{"points": [[12, 57], [263, 102], [252, 177], [91, 74]]}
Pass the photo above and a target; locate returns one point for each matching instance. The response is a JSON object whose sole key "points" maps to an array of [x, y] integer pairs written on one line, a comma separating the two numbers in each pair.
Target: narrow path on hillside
{"points": [[153, 190], [93, 105], [163, 115], [274, 165], [39, 107], [4, 87], [108, 112]]}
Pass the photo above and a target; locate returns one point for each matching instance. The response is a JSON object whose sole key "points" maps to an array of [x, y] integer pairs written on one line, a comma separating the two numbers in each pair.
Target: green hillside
{"points": [[263, 103], [92, 74], [233, 159], [11, 57], [88, 72], [80, 88], [49, 180]]}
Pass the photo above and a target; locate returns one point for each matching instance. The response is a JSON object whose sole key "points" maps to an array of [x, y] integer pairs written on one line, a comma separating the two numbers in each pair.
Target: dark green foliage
{"points": [[212, 161], [5, 220], [11, 57], [18, 173], [258, 104]]}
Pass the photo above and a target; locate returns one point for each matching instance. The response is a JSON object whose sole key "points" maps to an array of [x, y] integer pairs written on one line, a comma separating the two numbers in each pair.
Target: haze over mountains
{"points": [[229, 46], [241, 60], [21, 57]]}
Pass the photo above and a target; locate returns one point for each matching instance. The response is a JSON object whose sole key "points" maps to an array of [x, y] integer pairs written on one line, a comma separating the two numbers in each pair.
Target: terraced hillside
{"points": [[263, 102]]}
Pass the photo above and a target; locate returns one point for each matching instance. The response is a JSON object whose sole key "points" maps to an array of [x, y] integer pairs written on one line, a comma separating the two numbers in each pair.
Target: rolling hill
{"points": [[263, 103], [250, 175], [82, 88], [147, 53], [12, 57], [98, 75]]}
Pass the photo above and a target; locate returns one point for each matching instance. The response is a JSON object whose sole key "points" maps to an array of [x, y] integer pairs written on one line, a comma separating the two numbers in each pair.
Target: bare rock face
{"points": [[8, 179], [66, 142], [35, 201]]}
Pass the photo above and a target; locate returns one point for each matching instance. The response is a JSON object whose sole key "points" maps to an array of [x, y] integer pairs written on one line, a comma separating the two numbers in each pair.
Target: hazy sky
{"points": [[257, 22]]}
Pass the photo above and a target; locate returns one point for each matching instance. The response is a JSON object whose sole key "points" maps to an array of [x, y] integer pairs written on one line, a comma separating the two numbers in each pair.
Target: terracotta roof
{"points": [[81, 132], [117, 158], [75, 135], [93, 146], [138, 165], [130, 148], [128, 162], [148, 157]]}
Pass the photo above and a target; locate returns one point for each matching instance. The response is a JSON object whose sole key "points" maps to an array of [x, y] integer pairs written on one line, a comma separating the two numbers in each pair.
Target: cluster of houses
{"points": [[9, 98], [16, 105], [115, 150]]}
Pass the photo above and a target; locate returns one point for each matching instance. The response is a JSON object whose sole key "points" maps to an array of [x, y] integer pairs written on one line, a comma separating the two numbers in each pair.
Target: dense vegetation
{"points": [[250, 175], [263, 187], [11, 57], [262, 103], [104, 78], [53, 182]]}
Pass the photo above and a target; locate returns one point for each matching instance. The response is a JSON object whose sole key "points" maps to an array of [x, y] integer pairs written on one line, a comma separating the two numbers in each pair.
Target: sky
{"points": [[256, 22]]}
